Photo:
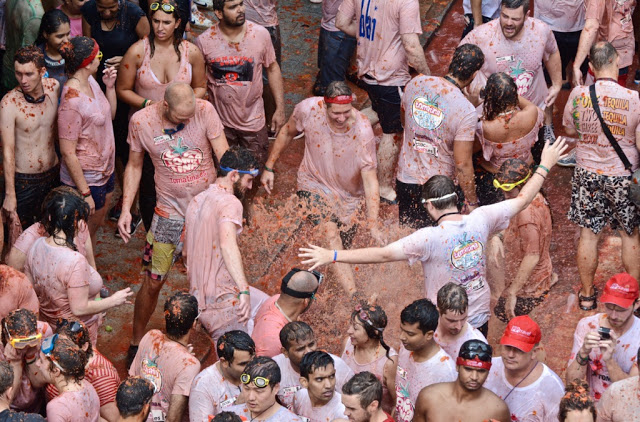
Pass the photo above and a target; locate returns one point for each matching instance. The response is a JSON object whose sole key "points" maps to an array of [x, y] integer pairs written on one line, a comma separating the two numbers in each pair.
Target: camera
{"points": [[605, 333]]}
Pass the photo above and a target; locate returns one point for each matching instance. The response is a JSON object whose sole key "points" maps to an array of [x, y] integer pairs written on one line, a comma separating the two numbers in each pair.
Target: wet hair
{"points": [[6, 376], [314, 360], [132, 395], [80, 338], [59, 210], [177, 33], [295, 331], [602, 54], [500, 95], [366, 386], [514, 4], [234, 340], [438, 186], [378, 322], [452, 297], [336, 88], [180, 312], [513, 170], [227, 417], [576, 398], [50, 23], [467, 59], [219, 4], [30, 54], [423, 312], [75, 52], [263, 366], [238, 158], [20, 322], [70, 357]]}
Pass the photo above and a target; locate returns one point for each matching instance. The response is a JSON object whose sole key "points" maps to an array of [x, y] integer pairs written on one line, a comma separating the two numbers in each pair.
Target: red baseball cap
{"points": [[621, 290], [522, 333]]}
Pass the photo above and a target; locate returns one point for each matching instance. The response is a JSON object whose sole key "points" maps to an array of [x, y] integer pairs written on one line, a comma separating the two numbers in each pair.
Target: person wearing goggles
{"points": [[260, 383], [464, 399], [520, 254], [211, 254]]}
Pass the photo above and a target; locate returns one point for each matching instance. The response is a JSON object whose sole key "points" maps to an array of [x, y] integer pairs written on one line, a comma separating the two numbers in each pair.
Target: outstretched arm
{"points": [[318, 256]]}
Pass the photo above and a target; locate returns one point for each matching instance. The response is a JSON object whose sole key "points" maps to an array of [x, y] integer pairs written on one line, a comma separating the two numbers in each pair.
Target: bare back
{"points": [[32, 128], [510, 128], [437, 403]]}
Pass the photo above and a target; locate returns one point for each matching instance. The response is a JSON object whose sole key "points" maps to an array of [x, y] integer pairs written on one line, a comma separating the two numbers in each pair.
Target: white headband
{"points": [[447, 196]]}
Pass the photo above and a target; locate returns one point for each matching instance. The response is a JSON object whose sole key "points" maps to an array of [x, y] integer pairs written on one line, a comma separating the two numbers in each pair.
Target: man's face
{"points": [[339, 114], [515, 359], [242, 185], [321, 383], [511, 21], [29, 76], [452, 322], [107, 9], [233, 13], [181, 113], [412, 337], [354, 410], [471, 379], [240, 360], [617, 315], [298, 349], [583, 415], [260, 399]]}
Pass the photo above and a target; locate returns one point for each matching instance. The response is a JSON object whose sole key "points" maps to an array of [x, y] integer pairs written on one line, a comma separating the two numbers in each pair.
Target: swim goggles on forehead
{"points": [[48, 344], [364, 316], [475, 354], [260, 382], [509, 186], [284, 287], [166, 7], [22, 342], [252, 172]]}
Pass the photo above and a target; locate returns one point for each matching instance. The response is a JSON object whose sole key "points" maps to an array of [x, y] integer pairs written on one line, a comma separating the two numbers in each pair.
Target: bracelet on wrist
{"points": [[541, 175], [473, 204], [144, 103], [582, 361], [244, 292], [335, 256], [543, 168], [269, 169], [86, 194]]}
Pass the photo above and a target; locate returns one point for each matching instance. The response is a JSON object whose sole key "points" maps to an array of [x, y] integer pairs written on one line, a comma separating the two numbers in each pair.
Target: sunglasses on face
{"points": [[509, 186], [22, 342], [260, 382], [166, 7]]}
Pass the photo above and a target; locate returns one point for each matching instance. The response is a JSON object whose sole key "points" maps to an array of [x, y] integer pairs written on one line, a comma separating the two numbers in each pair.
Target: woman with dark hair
{"points": [[577, 405], [85, 131], [365, 350], [71, 8], [508, 129], [64, 281], [54, 31], [99, 371]]}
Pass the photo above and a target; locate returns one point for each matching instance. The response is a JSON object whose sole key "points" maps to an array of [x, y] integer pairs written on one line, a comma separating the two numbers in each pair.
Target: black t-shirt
{"points": [[11, 416]]}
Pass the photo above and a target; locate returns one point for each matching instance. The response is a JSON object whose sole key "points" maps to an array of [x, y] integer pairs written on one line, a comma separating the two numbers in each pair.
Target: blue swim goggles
{"points": [[253, 172]]}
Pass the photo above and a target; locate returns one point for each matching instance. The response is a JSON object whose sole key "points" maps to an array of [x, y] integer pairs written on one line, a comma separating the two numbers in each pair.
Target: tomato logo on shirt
{"points": [[522, 77], [426, 113], [467, 253], [404, 406], [182, 159]]}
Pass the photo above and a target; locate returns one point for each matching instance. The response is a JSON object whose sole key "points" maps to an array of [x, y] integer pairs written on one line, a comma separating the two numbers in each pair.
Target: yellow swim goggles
{"points": [[509, 186], [260, 382]]}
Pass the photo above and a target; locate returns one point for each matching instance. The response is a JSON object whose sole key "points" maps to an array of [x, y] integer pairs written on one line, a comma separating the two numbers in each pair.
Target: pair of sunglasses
{"points": [[22, 342], [260, 382]]}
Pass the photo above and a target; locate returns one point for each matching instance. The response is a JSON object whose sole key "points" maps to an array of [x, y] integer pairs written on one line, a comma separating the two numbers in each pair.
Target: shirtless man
{"points": [[28, 115], [464, 399]]}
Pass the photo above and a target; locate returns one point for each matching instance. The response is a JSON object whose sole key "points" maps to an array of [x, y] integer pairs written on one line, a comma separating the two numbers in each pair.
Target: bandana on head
{"points": [[473, 363], [86, 62], [339, 99]]}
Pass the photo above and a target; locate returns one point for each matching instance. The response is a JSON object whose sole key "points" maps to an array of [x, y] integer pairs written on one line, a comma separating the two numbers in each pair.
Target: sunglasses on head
{"points": [[509, 186], [75, 326], [22, 342], [260, 382], [166, 7]]}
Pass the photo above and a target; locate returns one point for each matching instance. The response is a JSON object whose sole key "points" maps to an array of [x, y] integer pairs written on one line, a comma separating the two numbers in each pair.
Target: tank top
{"points": [[376, 367]]}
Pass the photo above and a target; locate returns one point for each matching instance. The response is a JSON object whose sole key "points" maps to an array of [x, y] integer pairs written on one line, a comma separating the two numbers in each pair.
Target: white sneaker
{"points": [[207, 4], [199, 20], [569, 160], [316, 1]]}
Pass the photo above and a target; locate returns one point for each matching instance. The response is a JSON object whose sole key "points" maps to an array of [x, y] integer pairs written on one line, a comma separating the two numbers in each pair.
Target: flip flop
{"points": [[593, 298]]}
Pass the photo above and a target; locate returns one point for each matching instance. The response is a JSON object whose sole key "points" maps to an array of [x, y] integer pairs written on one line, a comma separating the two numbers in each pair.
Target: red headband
{"points": [[339, 99], [474, 363], [92, 56]]}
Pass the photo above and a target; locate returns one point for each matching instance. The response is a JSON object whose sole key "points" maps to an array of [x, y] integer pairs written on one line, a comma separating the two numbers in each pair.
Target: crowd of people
{"points": [[114, 97]]}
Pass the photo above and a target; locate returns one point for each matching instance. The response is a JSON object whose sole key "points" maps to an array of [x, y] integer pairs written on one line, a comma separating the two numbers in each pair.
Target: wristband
{"points": [[86, 194], [543, 168], [144, 103], [473, 204], [270, 170], [582, 361], [244, 292], [335, 256], [541, 175]]}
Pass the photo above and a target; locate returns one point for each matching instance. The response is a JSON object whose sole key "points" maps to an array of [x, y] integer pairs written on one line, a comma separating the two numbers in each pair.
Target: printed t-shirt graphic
{"points": [[231, 69]]}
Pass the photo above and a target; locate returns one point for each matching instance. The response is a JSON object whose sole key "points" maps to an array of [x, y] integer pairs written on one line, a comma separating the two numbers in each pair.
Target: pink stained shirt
{"points": [[536, 402], [208, 276], [620, 403], [282, 415], [452, 347], [37, 230], [412, 376], [234, 75], [455, 251], [16, 292], [616, 25], [380, 53], [561, 15], [87, 121], [625, 352], [436, 113], [211, 393], [333, 162], [329, 13], [266, 332], [497, 153], [76, 25], [262, 12], [521, 59], [56, 269], [169, 364], [530, 233], [75, 406], [619, 107], [376, 367], [183, 162], [302, 406], [147, 84]]}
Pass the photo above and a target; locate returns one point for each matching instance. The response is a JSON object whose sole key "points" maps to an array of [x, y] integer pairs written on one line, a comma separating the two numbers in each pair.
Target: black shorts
{"points": [[31, 190], [386, 101], [321, 213]]}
